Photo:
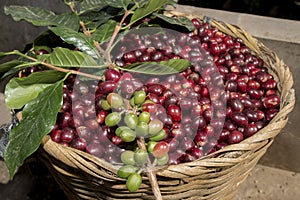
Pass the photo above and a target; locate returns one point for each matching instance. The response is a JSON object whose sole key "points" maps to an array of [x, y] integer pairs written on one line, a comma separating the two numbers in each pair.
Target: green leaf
{"points": [[14, 66], [118, 3], [87, 5], [41, 17], [104, 32], [62, 57], [4, 54], [20, 91], [172, 66], [92, 20], [38, 119], [181, 21], [9, 65], [152, 6], [81, 41], [92, 71], [69, 20]]}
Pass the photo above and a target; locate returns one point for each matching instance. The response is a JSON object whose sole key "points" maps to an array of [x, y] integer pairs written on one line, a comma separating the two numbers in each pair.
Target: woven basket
{"points": [[83, 176]]}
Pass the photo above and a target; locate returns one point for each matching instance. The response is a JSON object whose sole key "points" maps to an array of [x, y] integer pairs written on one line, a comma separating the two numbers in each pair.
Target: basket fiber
{"points": [[216, 176]]}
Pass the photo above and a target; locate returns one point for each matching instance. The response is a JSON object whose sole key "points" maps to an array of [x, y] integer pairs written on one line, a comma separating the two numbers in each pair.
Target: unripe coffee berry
{"points": [[159, 136], [134, 182], [127, 157], [114, 100], [144, 117], [131, 120], [150, 146], [126, 171], [139, 97], [141, 156], [112, 119], [155, 126], [128, 135], [142, 129], [163, 160]]}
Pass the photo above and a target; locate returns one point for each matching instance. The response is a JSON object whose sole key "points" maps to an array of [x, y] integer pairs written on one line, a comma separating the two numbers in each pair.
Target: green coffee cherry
{"points": [[144, 117], [126, 171], [105, 105], [150, 146], [141, 156], [134, 182], [131, 120], [127, 135], [112, 119], [155, 126], [114, 100], [163, 160], [127, 157], [142, 129], [131, 101], [139, 97], [120, 129], [158, 137]]}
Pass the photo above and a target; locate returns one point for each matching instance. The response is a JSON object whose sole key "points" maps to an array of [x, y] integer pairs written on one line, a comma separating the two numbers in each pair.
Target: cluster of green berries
{"points": [[136, 123]]}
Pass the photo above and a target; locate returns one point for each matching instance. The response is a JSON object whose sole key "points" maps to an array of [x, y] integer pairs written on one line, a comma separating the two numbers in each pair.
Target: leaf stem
{"points": [[98, 47], [71, 5], [114, 35], [151, 175], [58, 68], [85, 31]]}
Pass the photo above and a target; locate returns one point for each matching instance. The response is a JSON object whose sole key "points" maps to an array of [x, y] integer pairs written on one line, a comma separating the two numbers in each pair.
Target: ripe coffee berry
{"points": [[235, 137], [160, 149], [175, 112]]}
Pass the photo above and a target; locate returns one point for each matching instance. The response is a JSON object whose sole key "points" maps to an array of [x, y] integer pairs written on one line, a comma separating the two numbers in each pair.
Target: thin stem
{"points": [[88, 34], [114, 35], [85, 31], [98, 47], [58, 68], [72, 7], [151, 175]]}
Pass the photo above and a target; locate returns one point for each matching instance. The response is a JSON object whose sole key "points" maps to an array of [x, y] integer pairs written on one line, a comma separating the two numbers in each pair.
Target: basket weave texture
{"points": [[216, 176]]}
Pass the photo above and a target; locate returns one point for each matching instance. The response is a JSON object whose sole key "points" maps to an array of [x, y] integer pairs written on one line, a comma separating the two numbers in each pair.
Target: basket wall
{"points": [[83, 176]]}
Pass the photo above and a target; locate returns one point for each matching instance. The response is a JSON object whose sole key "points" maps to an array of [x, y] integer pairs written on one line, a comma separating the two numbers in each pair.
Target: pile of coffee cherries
{"points": [[225, 96]]}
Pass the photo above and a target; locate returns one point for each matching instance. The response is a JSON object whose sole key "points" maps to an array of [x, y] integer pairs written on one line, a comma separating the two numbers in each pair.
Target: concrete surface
{"points": [[284, 153], [267, 183]]}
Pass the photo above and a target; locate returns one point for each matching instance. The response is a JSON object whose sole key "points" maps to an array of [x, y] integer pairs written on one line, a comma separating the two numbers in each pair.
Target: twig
{"points": [[98, 47], [114, 35], [85, 31], [60, 69], [151, 175], [71, 6], [88, 33]]}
